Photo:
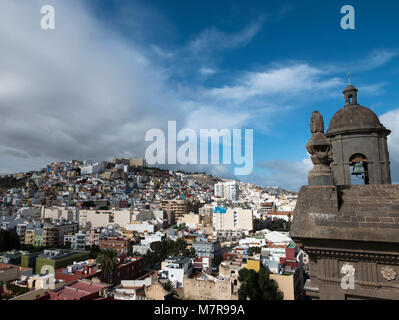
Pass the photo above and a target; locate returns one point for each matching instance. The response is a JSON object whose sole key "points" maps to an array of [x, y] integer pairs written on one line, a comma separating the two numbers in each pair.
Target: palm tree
{"points": [[107, 258]]}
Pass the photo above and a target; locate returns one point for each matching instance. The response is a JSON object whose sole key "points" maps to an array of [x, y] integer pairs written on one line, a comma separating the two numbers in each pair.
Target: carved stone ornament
{"points": [[319, 147], [348, 269], [388, 273]]}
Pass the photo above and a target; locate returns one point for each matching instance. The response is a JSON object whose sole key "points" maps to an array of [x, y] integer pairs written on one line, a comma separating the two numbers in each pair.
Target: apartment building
{"points": [[121, 245], [90, 169], [55, 213], [21, 230], [77, 240], [30, 236], [205, 248], [227, 190], [234, 219], [179, 207], [92, 238], [53, 234], [95, 218]]}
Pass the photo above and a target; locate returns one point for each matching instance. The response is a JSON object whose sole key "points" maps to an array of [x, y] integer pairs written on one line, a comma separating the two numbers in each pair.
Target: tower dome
{"points": [[354, 117]]}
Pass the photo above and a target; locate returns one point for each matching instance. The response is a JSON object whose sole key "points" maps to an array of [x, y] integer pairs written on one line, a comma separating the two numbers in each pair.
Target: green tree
{"points": [[257, 286], [191, 253], [160, 250], [94, 251], [108, 261], [217, 261], [279, 225], [254, 250], [137, 254], [16, 290], [9, 240], [170, 288], [179, 247]]}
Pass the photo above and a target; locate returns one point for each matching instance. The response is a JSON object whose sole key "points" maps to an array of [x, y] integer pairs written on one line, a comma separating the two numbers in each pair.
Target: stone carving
{"points": [[348, 270], [388, 273], [319, 147], [348, 280]]}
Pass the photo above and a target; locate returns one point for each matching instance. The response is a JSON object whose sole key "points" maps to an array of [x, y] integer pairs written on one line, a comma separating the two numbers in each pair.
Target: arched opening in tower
{"points": [[358, 169]]}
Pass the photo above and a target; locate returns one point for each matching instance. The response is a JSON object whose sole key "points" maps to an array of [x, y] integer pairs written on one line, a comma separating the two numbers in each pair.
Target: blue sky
{"points": [[113, 69]]}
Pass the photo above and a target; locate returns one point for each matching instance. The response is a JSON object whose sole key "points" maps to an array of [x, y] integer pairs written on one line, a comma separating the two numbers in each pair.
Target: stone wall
{"points": [[357, 213], [208, 290]]}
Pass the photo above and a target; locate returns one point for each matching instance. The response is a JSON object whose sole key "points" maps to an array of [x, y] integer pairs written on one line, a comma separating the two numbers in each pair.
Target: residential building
{"points": [[179, 207], [77, 240], [121, 245], [92, 238], [227, 190], [205, 248], [53, 234], [233, 219], [79, 290], [175, 269]]}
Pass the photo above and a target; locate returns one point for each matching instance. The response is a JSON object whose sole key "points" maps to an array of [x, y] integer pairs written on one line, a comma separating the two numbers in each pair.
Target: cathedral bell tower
{"points": [[359, 144]]}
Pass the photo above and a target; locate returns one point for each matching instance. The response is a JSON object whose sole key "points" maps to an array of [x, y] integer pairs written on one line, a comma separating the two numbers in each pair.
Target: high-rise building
{"points": [[233, 219], [227, 190]]}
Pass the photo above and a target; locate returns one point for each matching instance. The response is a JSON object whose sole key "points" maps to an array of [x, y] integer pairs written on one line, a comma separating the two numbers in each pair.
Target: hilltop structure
{"points": [[347, 218]]}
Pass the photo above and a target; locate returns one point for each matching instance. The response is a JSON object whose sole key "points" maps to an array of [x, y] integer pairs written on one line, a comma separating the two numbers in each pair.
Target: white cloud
{"points": [[376, 59], [79, 91], [162, 53], [207, 71], [285, 81], [391, 121], [213, 39]]}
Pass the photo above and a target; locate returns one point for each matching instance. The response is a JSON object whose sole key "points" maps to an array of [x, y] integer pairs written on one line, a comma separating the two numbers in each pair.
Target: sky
{"points": [[114, 69]]}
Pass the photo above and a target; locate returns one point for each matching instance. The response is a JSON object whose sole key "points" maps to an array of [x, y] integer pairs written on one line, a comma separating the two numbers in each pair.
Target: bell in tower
{"points": [[359, 144]]}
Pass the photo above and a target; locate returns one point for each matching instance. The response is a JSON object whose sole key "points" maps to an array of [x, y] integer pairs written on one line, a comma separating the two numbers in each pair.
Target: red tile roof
{"points": [[68, 278]]}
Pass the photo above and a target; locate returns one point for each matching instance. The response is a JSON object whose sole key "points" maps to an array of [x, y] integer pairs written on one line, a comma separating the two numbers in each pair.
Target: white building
{"points": [[174, 269], [219, 190], [233, 219], [77, 240], [150, 238], [94, 168], [227, 190], [140, 227]]}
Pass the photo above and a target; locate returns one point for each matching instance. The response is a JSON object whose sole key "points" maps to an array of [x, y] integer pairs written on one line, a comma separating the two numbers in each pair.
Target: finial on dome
{"points": [[349, 78]]}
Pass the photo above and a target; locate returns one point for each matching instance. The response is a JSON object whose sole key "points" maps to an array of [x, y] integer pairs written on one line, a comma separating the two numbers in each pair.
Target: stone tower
{"points": [[350, 232], [357, 136]]}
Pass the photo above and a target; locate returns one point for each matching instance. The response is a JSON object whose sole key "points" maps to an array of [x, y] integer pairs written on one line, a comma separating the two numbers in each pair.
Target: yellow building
{"points": [[30, 237], [253, 265]]}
